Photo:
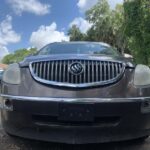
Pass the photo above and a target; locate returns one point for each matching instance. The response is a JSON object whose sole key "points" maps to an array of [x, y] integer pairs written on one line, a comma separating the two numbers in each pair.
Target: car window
{"points": [[74, 48]]}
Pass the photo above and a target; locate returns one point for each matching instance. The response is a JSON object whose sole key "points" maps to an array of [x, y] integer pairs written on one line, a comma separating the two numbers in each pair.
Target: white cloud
{"points": [[3, 51], [7, 35], [31, 6], [87, 4], [81, 23], [47, 34]]}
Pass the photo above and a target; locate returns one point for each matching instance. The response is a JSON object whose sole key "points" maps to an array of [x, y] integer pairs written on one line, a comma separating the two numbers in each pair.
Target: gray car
{"points": [[1, 74], [76, 92]]}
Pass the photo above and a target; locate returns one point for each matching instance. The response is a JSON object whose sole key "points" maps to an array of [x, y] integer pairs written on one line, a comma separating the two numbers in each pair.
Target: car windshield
{"points": [[78, 48]]}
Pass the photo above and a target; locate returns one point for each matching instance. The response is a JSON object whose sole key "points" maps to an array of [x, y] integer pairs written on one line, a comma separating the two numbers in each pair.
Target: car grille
{"points": [[95, 72]]}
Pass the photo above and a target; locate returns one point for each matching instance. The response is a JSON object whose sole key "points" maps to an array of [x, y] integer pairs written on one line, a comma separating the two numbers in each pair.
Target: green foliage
{"points": [[100, 17], [119, 38], [75, 34], [107, 25], [137, 29], [18, 55]]}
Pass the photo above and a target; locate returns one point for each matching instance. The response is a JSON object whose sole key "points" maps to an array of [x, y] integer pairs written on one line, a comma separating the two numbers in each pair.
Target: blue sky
{"points": [[27, 23]]}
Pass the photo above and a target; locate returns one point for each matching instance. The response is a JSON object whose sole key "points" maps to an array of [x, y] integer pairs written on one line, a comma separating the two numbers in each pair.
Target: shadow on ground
{"points": [[9, 143]]}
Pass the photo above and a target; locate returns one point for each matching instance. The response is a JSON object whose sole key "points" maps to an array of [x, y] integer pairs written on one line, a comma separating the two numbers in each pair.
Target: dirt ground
{"points": [[9, 143]]}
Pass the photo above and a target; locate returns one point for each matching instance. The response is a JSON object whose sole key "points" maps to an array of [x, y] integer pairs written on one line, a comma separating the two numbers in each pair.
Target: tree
{"points": [[137, 29], [107, 25], [18, 55], [118, 29], [8, 59], [100, 18], [75, 34]]}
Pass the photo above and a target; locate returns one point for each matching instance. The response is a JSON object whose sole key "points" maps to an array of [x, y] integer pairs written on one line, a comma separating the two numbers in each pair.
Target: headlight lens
{"points": [[12, 74], [142, 75]]}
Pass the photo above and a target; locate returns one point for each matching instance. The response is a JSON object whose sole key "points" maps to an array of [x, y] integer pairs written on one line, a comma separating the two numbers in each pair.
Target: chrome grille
{"points": [[95, 72]]}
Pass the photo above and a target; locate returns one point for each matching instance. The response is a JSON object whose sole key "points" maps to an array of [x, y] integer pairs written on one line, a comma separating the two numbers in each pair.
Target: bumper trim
{"points": [[58, 99]]}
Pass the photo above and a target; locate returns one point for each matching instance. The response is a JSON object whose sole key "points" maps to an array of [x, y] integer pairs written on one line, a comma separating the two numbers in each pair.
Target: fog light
{"points": [[8, 105], [145, 106]]}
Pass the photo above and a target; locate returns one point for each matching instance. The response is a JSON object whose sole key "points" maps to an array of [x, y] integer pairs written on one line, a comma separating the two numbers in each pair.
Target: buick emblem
{"points": [[76, 68]]}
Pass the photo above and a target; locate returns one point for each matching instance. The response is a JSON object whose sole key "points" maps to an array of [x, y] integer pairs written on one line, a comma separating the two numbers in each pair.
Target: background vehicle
{"points": [[1, 73]]}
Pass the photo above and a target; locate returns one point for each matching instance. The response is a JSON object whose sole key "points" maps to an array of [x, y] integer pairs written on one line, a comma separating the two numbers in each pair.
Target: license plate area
{"points": [[76, 112]]}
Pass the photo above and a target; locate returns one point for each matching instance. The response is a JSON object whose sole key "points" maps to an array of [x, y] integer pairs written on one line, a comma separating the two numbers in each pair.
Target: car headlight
{"points": [[12, 74], [142, 75]]}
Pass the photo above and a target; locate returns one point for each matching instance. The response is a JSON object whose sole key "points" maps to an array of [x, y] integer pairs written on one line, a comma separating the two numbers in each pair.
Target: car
{"points": [[76, 93], [1, 73]]}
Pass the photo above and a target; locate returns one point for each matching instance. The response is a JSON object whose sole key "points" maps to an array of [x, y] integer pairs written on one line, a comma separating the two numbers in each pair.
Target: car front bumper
{"points": [[90, 120]]}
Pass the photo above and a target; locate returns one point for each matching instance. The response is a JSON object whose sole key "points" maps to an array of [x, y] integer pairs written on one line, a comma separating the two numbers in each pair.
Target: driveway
{"points": [[8, 143]]}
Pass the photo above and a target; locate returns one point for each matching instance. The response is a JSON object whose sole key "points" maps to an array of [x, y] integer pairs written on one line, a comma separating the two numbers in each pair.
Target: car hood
{"points": [[29, 59]]}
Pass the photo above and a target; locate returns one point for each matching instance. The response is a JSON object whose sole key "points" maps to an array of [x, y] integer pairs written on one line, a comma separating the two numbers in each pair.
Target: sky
{"points": [[35, 23]]}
